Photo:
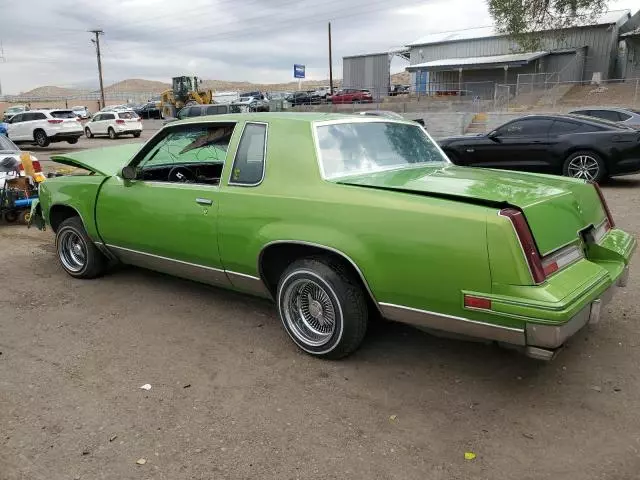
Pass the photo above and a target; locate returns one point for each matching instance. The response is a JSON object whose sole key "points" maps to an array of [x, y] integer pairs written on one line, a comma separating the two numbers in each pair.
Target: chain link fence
{"points": [[531, 93]]}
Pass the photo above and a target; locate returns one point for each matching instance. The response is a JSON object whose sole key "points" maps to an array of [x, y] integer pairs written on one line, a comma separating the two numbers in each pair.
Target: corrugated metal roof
{"points": [[391, 51], [613, 16], [632, 33], [487, 60]]}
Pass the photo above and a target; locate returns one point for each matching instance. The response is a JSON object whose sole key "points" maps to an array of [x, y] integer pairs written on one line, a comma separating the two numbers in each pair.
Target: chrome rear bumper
{"points": [[543, 340]]}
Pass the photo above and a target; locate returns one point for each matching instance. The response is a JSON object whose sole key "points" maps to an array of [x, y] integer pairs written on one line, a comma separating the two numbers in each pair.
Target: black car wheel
{"points": [[88, 133], [41, 138], [586, 165], [136, 134], [72, 141], [112, 134], [322, 308]]}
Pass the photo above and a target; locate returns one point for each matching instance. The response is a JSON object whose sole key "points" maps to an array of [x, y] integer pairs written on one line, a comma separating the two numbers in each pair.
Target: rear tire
{"points": [[88, 133], [41, 139], [72, 141], [10, 217], [77, 253], [322, 307], [112, 134], [136, 135], [586, 165]]}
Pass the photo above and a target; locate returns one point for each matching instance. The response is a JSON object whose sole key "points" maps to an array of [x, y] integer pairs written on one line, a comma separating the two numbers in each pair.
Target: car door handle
{"points": [[204, 201]]}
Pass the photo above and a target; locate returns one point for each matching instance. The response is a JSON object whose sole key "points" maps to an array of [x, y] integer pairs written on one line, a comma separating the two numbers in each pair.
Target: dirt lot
{"points": [[232, 398]]}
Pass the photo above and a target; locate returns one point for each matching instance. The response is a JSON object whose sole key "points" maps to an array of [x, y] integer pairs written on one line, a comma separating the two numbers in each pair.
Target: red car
{"points": [[352, 95]]}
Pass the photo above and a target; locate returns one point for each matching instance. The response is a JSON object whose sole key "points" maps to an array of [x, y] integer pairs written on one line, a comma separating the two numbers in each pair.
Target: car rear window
{"points": [[127, 115], [62, 114], [367, 147]]}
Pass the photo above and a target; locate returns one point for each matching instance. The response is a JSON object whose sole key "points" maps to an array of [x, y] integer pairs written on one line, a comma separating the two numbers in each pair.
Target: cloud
{"points": [[254, 40]]}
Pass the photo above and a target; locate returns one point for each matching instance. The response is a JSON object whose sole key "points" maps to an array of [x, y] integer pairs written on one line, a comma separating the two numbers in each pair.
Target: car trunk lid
{"points": [[106, 161], [556, 208]]}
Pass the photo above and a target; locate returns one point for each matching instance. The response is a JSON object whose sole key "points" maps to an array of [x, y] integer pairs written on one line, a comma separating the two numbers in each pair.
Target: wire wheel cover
{"points": [[309, 312]]}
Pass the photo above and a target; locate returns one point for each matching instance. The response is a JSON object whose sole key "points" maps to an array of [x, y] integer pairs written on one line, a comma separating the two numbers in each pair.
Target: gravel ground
{"points": [[231, 397]]}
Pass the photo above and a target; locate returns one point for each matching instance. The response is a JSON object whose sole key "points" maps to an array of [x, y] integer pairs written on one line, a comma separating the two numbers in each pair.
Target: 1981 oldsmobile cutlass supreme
{"points": [[339, 217]]}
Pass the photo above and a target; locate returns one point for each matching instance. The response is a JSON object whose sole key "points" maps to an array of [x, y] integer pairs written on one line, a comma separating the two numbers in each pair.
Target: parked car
{"points": [[351, 95], [398, 89], [202, 110], [626, 116], [11, 111], [321, 93], [336, 217], [81, 112], [42, 127], [115, 108], [558, 144], [256, 103], [8, 149], [388, 114], [148, 110], [114, 124], [303, 98]]}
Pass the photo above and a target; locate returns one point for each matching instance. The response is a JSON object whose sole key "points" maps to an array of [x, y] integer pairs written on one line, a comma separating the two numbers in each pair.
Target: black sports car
{"points": [[570, 145]]}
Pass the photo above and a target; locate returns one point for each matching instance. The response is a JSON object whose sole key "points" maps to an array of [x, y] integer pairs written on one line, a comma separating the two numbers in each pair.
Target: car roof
{"points": [[575, 117], [308, 117]]}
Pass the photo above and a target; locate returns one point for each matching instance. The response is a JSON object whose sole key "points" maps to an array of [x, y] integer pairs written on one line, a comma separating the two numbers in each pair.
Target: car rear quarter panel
{"points": [[413, 250], [76, 191]]}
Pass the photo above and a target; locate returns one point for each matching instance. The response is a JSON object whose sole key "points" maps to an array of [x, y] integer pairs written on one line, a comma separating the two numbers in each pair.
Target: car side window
{"points": [[248, 165], [27, 117], [97, 118], [606, 114], [202, 149], [195, 112], [561, 127], [624, 116], [39, 116], [523, 128], [16, 118]]}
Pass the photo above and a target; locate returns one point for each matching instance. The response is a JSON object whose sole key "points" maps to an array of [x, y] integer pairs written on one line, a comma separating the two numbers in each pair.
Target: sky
{"points": [[236, 40]]}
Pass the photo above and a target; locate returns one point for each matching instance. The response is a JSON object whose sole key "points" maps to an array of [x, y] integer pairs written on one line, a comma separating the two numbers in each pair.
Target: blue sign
{"points": [[298, 71]]}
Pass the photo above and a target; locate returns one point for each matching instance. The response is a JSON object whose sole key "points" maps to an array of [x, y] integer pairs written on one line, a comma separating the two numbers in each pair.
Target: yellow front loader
{"points": [[184, 91]]}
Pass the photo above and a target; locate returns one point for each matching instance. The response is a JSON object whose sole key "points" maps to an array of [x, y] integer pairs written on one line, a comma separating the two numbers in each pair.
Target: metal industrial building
{"points": [[475, 60]]}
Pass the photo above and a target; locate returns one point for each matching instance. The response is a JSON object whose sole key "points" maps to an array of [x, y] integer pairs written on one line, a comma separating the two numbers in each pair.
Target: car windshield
{"points": [[367, 147], [7, 145], [14, 109], [62, 114]]}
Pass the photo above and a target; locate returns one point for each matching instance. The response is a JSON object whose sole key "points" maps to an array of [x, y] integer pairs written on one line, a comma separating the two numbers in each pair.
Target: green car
{"points": [[339, 219]]}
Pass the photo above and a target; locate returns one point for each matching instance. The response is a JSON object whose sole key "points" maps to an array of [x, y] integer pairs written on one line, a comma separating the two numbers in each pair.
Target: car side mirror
{"points": [[494, 136], [129, 173]]}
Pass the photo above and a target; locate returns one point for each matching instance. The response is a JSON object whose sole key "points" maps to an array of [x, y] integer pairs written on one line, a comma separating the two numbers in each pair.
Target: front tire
{"points": [[88, 133], [112, 134], [322, 308], [41, 138], [77, 253], [586, 165]]}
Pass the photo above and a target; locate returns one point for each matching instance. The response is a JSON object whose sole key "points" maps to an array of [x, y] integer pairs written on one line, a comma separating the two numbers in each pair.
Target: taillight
{"points": [[36, 165], [55, 120], [605, 206], [120, 121], [471, 301], [529, 248]]}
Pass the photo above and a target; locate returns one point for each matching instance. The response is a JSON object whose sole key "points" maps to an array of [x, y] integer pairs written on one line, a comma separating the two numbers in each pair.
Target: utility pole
{"points": [[330, 64], [97, 43]]}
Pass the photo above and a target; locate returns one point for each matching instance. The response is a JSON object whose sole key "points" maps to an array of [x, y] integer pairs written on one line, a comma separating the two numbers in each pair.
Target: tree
{"points": [[524, 19]]}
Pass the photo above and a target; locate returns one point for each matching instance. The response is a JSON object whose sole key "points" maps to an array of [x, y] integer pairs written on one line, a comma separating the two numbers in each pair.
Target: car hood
{"points": [[106, 161], [556, 208]]}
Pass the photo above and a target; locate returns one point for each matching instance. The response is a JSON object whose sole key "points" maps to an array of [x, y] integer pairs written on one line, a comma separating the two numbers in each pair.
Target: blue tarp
{"points": [[3, 128]]}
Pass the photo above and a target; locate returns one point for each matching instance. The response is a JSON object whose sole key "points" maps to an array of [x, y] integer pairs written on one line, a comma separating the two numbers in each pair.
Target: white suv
{"points": [[114, 124], [43, 127]]}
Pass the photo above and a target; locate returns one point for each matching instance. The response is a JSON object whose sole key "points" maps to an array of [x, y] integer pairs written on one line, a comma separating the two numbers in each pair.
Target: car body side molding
{"points": [[451, 324]]}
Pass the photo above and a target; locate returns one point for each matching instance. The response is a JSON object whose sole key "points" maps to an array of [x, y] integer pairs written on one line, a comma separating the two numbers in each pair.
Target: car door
{"points": [[93, 124], [14, 130], [520, 144], [163, 222]]}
